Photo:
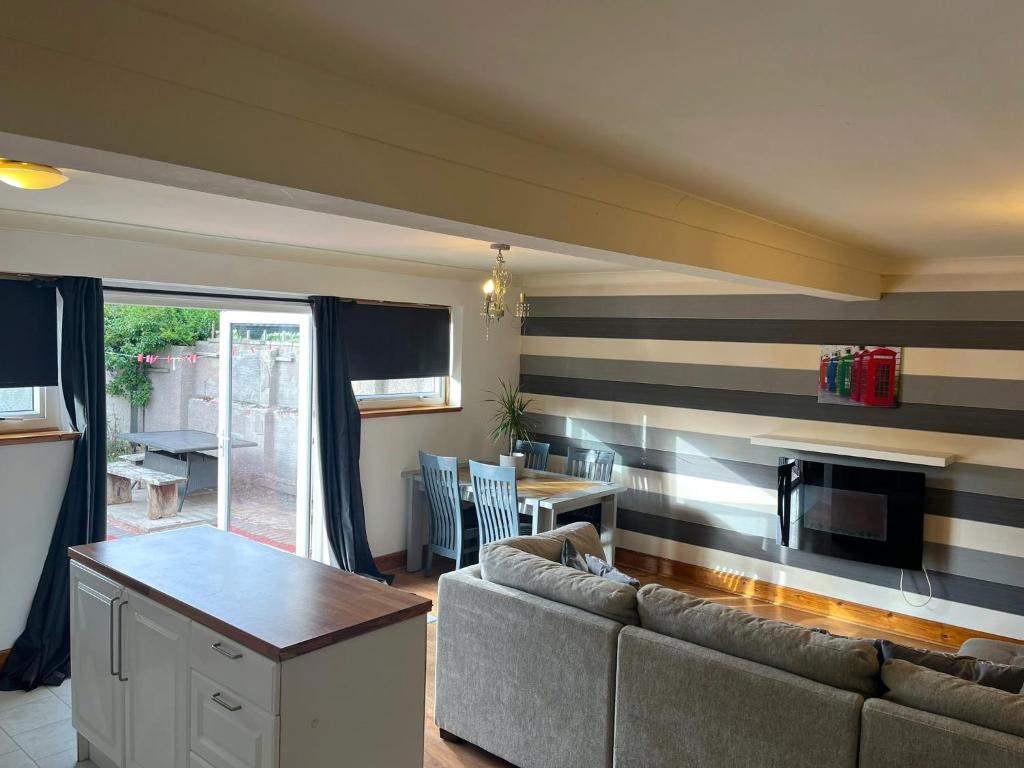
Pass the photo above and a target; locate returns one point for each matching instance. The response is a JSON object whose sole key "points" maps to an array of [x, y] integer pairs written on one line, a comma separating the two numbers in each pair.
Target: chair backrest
{"points": [[497, 508], [536, 453], [441, 486], [590, 464]]}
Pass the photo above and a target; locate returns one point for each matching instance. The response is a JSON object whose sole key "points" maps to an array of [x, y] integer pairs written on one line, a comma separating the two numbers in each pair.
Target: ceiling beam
{"points": [[108, 87]]}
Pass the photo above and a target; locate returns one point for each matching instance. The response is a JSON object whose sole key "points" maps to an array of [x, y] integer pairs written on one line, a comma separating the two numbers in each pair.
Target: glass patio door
{"points": [[265, 411]]}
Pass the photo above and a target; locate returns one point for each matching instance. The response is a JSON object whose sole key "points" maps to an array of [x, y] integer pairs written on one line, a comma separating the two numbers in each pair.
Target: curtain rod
{"points": [[251, 297]]}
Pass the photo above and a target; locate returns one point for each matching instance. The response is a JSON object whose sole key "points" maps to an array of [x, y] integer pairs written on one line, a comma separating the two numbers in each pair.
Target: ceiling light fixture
{"points": [[15, 173], [493, 307]]}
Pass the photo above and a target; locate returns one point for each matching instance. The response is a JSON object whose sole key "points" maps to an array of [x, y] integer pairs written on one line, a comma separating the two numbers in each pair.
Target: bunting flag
{"points": [[151, 359]]}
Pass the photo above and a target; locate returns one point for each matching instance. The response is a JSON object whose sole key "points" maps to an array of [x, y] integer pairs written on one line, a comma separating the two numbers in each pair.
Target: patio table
{"points": [[188, 453]]}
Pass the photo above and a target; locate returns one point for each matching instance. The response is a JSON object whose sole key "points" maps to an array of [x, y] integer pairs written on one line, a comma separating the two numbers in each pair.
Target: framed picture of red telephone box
{"points": [[859, 375]]}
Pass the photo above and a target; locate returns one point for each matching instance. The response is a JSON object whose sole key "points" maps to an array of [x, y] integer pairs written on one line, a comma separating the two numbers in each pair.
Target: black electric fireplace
{"points": [[856, 513]]}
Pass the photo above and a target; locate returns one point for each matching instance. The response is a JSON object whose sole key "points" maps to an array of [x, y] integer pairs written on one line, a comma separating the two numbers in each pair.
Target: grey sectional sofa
{"points": [[548, 667]]}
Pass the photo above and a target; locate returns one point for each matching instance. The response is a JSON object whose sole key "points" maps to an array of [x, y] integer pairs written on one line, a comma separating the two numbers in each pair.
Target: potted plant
{"points": [[510, 423]]}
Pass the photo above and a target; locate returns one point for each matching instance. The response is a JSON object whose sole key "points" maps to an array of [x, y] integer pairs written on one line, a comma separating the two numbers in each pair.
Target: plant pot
{"points": [[517, 460]]}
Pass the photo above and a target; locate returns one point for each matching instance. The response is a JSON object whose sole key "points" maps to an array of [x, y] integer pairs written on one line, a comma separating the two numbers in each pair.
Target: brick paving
{"points": [[257, 513]]}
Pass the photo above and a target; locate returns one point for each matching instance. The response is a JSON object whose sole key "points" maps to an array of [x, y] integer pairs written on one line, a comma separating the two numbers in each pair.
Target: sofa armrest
{"points": [[680, 705], [892, 734], [525, 678]]}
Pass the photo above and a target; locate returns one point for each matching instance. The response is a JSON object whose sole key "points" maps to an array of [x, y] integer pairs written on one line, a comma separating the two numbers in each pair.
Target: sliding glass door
{"points": [[264, 428]]}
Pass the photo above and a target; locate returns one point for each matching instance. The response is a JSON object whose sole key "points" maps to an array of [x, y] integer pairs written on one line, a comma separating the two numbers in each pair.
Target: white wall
{"points": [[32, 479], [32, 483]]}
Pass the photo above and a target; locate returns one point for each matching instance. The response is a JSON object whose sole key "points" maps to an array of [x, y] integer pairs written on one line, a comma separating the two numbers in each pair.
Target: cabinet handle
{"points": [[120, 643], [219, 698], [113, 602], [225, 652]]}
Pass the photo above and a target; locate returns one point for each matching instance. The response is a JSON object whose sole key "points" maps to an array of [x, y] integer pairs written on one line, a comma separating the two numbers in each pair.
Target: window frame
{"points": [[371, 403], [46, 415]]}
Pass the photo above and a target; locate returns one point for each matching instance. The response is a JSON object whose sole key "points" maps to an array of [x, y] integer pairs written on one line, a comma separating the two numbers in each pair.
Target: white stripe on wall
{"points": [[917, 361], [971, 534], [884, 598], [974, 449]]}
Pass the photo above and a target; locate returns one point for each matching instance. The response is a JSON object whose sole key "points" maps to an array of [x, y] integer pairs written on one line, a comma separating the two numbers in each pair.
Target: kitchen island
{"points": [[197, 648]]}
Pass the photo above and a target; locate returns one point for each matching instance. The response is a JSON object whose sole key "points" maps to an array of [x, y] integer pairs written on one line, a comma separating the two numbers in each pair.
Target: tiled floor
{"points": [[35, 729]]}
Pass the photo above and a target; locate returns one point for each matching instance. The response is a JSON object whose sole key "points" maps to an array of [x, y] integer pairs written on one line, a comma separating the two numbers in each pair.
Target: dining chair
{"points": [[449, 534], [497, 503], [536, 453], [590, 464]]}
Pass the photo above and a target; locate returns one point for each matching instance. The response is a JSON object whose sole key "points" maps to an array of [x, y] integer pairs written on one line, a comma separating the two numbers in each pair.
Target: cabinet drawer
{"points": [[227, 731], [245, 672]]}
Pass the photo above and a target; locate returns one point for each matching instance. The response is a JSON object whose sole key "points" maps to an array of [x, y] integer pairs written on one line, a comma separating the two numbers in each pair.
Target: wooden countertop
{"points": [[273, 603]]}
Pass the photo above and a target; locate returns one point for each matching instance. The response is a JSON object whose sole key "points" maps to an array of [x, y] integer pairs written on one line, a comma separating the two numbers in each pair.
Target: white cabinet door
{"points": [[97, 695], [156, 663]]}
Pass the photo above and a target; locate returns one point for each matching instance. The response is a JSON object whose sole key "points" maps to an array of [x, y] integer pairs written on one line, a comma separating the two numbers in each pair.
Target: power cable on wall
{"points": [[927, 578]]}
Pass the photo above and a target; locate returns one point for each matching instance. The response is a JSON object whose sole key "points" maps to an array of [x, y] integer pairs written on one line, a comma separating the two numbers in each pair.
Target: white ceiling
{"points": [[898, 125], [96, 197]]}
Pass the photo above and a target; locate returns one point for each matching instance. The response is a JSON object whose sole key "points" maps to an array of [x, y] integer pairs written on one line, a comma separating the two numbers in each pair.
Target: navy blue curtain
{"points": [[42, 654], [340, 429]]}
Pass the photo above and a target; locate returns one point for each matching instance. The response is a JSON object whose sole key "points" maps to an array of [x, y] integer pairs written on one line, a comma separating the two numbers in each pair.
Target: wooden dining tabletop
{"points": [[539, 485]]}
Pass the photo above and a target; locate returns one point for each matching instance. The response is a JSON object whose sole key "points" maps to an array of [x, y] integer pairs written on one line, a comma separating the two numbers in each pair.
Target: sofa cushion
{"points": [[845, 663], [548, 545], [539, 576], [996, 651], [1001, 676], [941, 694]]}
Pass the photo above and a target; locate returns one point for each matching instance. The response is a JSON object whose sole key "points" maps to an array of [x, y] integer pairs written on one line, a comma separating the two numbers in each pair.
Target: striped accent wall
{"points": [[677, 385]]}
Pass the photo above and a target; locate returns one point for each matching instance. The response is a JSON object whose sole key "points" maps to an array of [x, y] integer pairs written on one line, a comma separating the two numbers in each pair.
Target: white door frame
{"points": [[303, 319]]}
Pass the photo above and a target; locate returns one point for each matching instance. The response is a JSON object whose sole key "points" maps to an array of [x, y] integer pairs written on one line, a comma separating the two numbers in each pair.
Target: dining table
{"points": [[543, 495]]}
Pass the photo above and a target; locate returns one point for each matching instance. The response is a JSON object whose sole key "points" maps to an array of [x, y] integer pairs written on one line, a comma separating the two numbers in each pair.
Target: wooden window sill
{"points": [[377, 413], [38, 436]]}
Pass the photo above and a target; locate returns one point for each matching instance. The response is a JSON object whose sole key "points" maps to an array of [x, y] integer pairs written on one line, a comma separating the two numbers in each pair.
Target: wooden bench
{"points": [[163, 488], [132, 458]]}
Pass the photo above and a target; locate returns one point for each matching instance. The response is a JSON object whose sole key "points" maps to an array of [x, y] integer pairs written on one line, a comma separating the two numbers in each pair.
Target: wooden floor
{"points": [[442, 754]]}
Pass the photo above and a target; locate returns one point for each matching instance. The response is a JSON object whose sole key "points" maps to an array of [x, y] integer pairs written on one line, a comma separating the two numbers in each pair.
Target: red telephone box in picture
{"points": [[857, 376], [878, 377]]}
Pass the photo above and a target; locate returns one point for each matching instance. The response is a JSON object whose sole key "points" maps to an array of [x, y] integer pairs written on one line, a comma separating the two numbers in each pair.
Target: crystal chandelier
{"points": [[493, 306]]}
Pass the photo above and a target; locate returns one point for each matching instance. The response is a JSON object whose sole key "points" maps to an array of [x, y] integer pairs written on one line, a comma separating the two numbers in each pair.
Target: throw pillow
{"points": [[572, 558], [599, 567], [949, 696], [987, 673]]}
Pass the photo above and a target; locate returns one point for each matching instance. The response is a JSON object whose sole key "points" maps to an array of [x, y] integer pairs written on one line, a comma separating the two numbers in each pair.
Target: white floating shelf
{"points": [[794, 443]]}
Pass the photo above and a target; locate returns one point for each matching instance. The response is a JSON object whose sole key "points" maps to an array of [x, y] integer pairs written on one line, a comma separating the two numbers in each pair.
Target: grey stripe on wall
{"points": [[975, 564], [965, 306], [935, 390], [954, 560], [1007, 598], [933, 418], [952, 334]]}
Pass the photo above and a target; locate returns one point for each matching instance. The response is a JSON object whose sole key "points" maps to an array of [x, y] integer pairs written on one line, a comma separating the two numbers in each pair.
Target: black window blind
{"points": [[28, 321], [394, 342]]}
